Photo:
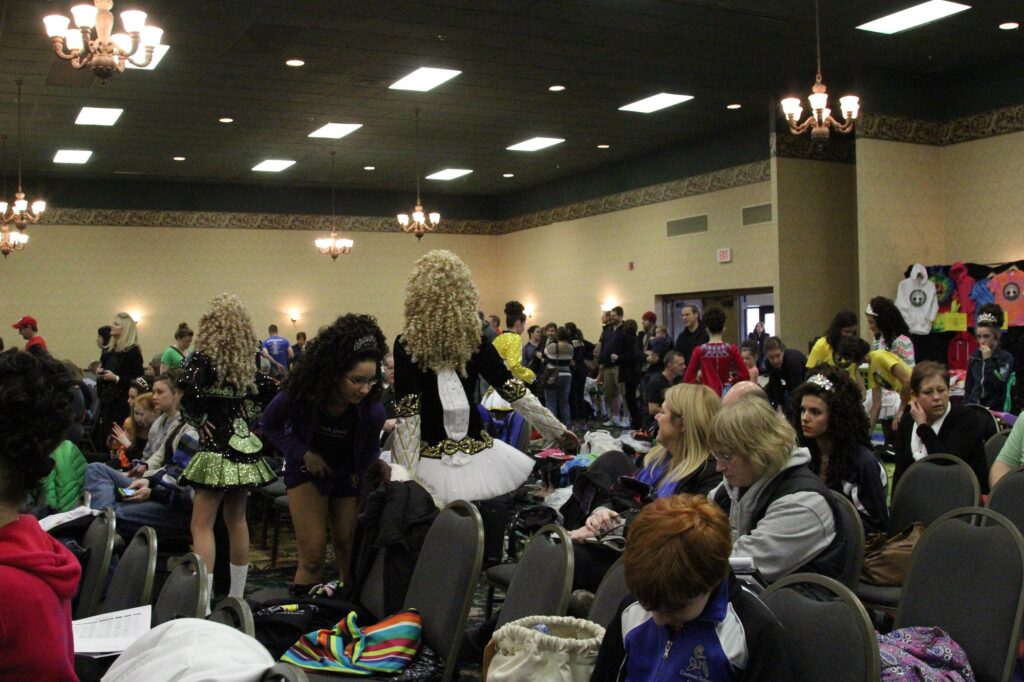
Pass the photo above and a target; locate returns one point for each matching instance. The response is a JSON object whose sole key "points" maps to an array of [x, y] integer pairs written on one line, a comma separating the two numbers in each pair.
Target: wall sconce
{"points": [[528, 311], [135, 315], [608, 305], [293, 315]]}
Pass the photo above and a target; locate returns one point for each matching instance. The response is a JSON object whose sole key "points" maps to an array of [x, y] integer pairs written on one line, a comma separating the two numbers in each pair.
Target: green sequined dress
{"points": [[229, 455]]}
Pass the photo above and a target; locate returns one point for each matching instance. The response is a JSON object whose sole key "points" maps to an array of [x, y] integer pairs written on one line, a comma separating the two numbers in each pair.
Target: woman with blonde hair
{"points": [[681, 462], [120, 364], [438, 359], [781, 513], [222, 400]]}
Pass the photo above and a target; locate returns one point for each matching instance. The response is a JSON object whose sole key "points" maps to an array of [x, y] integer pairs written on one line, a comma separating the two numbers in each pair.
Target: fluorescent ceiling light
{"points": [[72, 156], [424, 79], [272, 165], [604, 146], [508, 175], [98, 116], [733, 106], [295, 63], [449, 174], [655, 102], [1009, 26], [557, 88], [925, 13], [179, 158], [369, 168], [535, 143], [336, 131], [158, 53], [225, 119]]}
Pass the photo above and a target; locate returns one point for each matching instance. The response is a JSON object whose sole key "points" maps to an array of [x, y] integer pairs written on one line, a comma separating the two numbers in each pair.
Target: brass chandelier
{"points": [[18, 213], [421, 222], [105, 53], [820, 122], [333, 246]]}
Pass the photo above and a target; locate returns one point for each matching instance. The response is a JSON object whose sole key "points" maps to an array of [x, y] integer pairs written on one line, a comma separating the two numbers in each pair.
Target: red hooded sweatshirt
{"points": [[38, 578]]}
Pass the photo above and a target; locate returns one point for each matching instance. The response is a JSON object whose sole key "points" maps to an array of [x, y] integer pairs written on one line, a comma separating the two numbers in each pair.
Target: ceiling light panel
{"points": [[657, 102], [535, 143], [336, 131], [158, 54], [449, 174], [273, 165], [72, 156], [424, 79], [915, 16], [98, 116]]}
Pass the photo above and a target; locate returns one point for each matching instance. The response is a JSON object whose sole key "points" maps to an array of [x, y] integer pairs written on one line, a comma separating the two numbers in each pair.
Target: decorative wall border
{"points": [[942, 133], [726, 178], [838, 148]]}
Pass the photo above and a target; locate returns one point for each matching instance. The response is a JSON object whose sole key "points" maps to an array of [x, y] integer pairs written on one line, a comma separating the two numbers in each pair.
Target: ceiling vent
{"points": [[757, 215], [692, 225]]}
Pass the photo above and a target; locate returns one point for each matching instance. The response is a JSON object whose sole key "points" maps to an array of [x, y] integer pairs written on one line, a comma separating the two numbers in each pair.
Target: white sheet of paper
{"points": [[54, 520], [111, 632]]}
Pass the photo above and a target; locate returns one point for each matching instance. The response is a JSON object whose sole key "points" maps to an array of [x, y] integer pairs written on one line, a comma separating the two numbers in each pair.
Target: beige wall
{"points": [[817, 246], [937, 205], [568, 270], [73, 279]]}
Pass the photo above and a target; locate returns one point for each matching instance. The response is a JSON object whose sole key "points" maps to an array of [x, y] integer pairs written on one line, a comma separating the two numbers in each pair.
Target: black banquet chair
{"points": [[609, 595], [1007, 497], [969, 580], [853, 526], [994, 444], [184, 595], [831, 639], [99, 539], [132, 583], [234, 613], [543, 580]]}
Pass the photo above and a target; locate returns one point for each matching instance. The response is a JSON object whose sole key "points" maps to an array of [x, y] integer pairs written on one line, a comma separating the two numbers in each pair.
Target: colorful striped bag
{"points": [[386, 647]]}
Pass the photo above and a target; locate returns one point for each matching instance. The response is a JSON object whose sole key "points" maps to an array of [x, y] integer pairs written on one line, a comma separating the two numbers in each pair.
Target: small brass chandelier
{"points": [[333, 246], [18, 213], [105, 53], [421, 222], [820, 122]]}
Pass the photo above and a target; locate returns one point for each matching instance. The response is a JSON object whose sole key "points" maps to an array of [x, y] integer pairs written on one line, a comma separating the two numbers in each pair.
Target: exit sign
{"points": [[725, 255]]}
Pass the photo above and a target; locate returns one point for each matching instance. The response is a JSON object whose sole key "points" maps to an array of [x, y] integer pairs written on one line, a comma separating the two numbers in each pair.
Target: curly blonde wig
{"points": [[227, 337], [442, 328]]}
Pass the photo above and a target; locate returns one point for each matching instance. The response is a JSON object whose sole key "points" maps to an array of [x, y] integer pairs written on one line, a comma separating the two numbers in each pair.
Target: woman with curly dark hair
{"points": [[38, 575], [889, 329], [834, 428], [326, 422], [826, 348]]}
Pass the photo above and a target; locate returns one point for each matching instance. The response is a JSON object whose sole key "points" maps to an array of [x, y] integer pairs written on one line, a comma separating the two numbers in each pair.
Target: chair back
{"points": [[930, 487], [99, 540], [132, 584], [235, 613], [831, 639], [543, 580], [994, 444], [1007, 498], [969, 580], [184, 595], [371, 595], [609, 595], [853, 527], [285, 672], [986, 420], [444, 580]]}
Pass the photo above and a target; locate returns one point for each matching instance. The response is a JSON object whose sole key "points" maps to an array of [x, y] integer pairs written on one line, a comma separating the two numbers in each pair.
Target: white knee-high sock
{"points": [[238, 576], [209, 591]]}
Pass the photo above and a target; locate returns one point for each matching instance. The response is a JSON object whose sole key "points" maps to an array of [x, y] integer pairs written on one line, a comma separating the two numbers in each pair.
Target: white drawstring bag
{"points": [[598, 442], [566, 653]]}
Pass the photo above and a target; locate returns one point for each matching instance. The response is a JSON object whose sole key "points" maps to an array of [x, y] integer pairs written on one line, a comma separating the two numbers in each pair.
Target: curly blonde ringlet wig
{"points": [[442, 329], [693, 406], [227, 337], [751, 429]]}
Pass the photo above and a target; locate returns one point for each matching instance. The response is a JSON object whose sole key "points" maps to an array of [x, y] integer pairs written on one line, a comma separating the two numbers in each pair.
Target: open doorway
{"points": [[743, 310]]}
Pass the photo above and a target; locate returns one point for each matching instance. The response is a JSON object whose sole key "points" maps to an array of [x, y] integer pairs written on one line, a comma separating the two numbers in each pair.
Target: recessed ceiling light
{"points": [[655, 102], [424, 79], [1009, 25], [556, 88], [158, 53], [918, 15], [336, 131], [98, 116], [272, 165], [733, 106], [508, 175], [72, 156], [369, 168], [604, 146], [179, 158], [295, 63], [225, 119], [535, 143], [449, 174]]}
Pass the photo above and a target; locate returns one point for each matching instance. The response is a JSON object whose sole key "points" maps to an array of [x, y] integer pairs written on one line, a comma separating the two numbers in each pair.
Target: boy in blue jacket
{"points": [[688, 618]]}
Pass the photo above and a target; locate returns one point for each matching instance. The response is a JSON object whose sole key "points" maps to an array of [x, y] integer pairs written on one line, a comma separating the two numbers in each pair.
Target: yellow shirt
{"points": [[880, 365], [821, 354], [510, 347]]}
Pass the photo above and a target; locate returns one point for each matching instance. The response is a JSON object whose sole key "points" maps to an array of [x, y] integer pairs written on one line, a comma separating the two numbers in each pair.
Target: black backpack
{"points": [[280, 623]]}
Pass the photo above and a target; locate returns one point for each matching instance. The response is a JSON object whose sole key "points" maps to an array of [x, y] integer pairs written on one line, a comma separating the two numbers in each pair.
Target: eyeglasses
{"points": [[723, 458], [369, 382]]}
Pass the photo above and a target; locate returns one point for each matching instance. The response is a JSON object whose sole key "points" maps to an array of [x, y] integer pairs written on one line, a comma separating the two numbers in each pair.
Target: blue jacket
{"points": [[988, 380]]}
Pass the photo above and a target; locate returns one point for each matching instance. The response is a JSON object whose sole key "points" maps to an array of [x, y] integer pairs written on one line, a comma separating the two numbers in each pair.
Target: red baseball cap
{"points": [[27, 321]]}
